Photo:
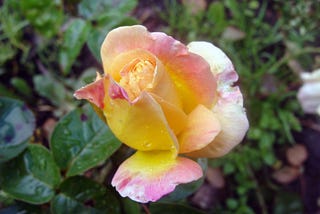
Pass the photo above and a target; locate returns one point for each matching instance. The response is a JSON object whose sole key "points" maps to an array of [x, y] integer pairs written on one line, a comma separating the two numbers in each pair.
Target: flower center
{"points": [[136, 77]]}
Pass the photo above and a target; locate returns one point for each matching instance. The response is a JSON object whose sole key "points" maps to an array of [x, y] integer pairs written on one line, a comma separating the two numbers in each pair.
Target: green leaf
{"points": [[93, 9], [7, 92], [73, 40], [7, 52], [217, 14], [45, 16], [31, 177], [21, 86], [160, 208], [17, 124], [130, 207], [81, 141], [81, 195], [50, 88]]}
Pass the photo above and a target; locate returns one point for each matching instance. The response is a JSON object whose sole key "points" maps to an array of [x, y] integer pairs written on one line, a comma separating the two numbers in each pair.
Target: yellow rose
{"points": [[164, 99]]}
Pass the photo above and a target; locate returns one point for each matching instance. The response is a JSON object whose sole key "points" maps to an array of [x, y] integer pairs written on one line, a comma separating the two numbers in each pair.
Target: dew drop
{"points": [[66, 121], [146, 144], [39, 189], [66, 132], [42, 164]]}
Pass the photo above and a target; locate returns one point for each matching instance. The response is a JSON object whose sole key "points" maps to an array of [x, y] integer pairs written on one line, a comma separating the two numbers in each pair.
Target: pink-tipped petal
{"points": [[93, 92], [229, 104], [147, 176], [191, 74], [201, 128]]}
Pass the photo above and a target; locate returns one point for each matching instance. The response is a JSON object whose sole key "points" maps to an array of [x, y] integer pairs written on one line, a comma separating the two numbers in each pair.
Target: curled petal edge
{"points": [[147, 176]]}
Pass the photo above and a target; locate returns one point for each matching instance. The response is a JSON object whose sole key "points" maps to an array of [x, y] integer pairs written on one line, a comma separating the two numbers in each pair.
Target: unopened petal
{"points": [[201, 128], [147, 176]]}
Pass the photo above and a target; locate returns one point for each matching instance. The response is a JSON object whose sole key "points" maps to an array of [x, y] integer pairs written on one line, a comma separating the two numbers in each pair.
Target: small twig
{"points": [[146, 209], [259, 194]]}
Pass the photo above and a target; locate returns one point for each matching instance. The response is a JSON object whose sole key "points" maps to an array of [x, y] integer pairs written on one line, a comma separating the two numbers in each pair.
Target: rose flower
{"points": [[168, 101]]}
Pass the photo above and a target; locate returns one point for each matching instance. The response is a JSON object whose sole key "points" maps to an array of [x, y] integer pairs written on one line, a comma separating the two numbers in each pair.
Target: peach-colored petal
{"points": [[229, 104], [201, 128], [161, 85], [190, 72], [175, 116], [93, 92], [121, 40], [147, 176], [234, 125], [141, 124]]}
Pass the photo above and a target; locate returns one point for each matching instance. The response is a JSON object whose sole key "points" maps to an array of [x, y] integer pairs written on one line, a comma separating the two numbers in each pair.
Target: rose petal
{"points": [[228, 108], [221, 66], [201, 128], [234, 125], [140, 124], [191, 74], [217, 59], [93, 92], [147, 176], [175, 116], [189, 71]]}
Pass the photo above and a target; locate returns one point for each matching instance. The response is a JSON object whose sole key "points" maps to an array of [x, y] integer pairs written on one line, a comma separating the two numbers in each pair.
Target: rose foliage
{"points": [[170, 103]]}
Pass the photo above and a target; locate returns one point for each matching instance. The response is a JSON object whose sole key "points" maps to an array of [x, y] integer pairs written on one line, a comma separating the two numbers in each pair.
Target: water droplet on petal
{"points": [[147, 144]]}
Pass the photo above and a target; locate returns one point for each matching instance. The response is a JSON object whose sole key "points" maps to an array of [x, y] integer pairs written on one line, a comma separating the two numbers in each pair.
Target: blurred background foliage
{"points": [[50, 48]]}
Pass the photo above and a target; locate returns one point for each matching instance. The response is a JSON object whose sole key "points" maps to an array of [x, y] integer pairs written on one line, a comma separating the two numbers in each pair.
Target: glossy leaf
{"points": [[81, 141], [17, 124], [50, 88], [32, 176], [73, 40], [160, 208], [82, 195]]}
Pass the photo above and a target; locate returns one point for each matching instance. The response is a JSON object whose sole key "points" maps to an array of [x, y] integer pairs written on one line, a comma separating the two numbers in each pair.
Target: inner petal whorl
{"points": [[137, 76]]}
